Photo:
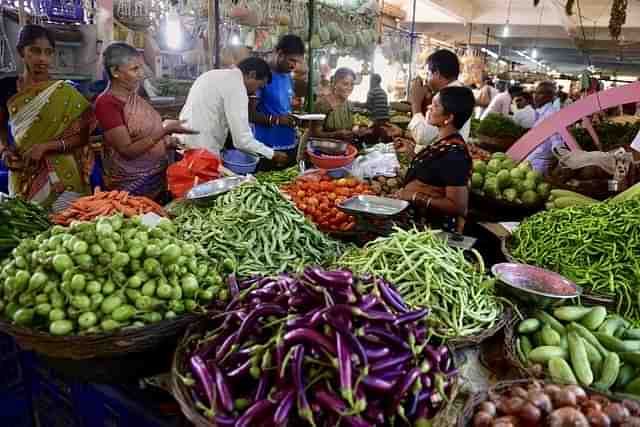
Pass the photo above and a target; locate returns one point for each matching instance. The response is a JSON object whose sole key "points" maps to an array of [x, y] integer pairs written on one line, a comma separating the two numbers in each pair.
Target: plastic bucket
{"points": [[239, 162]]}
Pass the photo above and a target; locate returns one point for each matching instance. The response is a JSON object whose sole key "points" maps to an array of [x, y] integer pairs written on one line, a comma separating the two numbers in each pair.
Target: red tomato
{"points": [[342, 182], [331, 186], [343, 191], [324, 225], [341, 216], [340, 199], [312, 201], [324, 207], [351, 182], [331, 196], [301, 194]]}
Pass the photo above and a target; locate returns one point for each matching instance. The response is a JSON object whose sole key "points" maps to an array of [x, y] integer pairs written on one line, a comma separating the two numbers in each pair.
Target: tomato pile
{"points": [[319, 196]]}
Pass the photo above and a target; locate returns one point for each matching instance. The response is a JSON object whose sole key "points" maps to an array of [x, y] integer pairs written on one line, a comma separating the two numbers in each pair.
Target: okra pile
{"points": [[316, 350], [582, 345], [595, 246], [253, 230]]}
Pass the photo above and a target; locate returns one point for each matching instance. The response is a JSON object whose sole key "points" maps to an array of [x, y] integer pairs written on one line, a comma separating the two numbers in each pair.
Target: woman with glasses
{"points": [[44, 128]]}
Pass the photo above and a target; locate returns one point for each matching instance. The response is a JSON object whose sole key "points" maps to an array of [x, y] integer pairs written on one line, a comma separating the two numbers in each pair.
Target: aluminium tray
{"points": [[373, 206]]}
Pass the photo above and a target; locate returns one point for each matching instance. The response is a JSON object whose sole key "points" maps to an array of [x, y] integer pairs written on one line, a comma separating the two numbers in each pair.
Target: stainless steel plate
{"points": [[213, 188], [373, 206]]}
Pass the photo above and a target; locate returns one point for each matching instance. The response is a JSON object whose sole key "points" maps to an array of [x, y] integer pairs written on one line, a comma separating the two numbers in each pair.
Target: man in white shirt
{"points": [[526, 115], [501, 104], [218, 102], [542, 157], [443, 69]]}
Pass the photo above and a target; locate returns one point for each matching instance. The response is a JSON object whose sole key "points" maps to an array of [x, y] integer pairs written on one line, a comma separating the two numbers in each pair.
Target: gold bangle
{"points": [[428, 204]]}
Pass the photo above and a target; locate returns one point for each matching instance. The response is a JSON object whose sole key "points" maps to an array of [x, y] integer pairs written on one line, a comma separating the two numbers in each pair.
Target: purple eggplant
{"points": [[318, 318], [351, 338], [225, 347], [241, 370], [309, 336], [386, 336], [260, 311], [368, 302], [329, 400], [412, 316], [344, 368], [261, 389], [224, 394], [404, 385], [377, 353], [354, 421], [200, 371], [281, 414], [234, 289], [392, 376], [304, 410], [389, 296], [254, 413], [376, 384], [390, 363], [251, 281], [318, 276]]}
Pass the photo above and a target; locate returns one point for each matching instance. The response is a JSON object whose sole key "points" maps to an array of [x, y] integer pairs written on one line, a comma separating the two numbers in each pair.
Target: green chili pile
{"points": [[19, 220], [253, 230], [428, 273], [596, 246], [279, 177]]}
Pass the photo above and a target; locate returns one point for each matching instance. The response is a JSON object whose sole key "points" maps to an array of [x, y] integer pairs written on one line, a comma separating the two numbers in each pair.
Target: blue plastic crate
{"points": [[15, 408], [108, 406]]}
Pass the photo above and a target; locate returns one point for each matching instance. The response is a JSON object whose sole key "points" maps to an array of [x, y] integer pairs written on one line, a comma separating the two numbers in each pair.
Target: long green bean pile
{"points": [[428, 273], [596, 246], [279, 177], [255, 230]]}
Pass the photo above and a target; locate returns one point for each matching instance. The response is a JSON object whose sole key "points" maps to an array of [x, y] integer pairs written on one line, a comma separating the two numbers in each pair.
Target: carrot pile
{"points": [[106, 203]]}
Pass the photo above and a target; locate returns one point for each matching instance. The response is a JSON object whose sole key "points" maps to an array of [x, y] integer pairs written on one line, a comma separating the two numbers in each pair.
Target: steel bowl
{"points": [[206, 192], [533, 285], [328, 146]]}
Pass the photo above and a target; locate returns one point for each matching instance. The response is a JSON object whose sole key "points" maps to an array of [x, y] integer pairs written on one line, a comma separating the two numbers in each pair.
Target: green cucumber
{"points": [[633, 387], [610, 371], [632, 334], [549, 336], [544, 353], [545, 317], [617, 345], [561, 371], [631, 358], [594, 318], [626, 374], [611, 325], [526, 346], [529, 326], [594, 356], [571, 313], [588, 335], [579, 359]]}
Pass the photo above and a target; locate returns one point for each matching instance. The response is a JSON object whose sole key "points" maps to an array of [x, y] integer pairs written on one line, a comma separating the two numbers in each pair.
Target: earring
{"points": [[446, 122], [116, 76]]}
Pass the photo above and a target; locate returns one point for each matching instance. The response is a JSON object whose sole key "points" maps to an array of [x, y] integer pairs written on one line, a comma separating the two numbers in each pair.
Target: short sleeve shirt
{"points": [[109, 111]]}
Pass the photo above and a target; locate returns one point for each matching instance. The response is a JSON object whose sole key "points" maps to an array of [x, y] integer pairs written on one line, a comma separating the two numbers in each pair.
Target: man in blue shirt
{"points": [[271, 111]]}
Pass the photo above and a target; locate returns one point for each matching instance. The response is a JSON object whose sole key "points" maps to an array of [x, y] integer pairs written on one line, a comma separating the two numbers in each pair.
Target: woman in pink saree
{"points": [[136, 139]]}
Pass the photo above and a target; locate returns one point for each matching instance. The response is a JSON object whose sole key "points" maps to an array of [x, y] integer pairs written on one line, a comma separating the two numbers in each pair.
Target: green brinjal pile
{"points": [[596, 246], [254, 230], [19, 220], [585, 345], [105, 275]]}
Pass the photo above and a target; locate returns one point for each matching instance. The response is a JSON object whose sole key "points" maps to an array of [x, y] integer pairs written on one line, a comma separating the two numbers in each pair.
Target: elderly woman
{"points": [[44, 128], [437, 181], [135, 137], [339, 121]]}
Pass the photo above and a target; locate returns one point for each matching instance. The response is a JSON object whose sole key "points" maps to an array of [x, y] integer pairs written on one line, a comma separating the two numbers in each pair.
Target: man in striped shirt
{"points": [[377, 102]]}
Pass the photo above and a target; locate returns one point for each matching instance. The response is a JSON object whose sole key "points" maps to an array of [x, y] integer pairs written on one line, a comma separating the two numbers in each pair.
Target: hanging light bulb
{"points": [[174, 30], [506, 30], [235, 40], [534, 53]]}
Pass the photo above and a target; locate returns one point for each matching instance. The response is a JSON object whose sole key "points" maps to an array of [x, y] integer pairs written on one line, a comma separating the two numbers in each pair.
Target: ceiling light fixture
{"points": [[534, 53], [506, 31]]}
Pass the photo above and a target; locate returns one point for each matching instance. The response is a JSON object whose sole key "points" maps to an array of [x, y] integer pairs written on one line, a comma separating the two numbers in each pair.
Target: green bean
{"points": [[595, 246], [259, 229], [427, 272]]}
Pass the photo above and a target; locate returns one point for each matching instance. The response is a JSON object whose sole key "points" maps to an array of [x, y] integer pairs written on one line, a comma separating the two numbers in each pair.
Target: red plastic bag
{"points": [[197, 166]]}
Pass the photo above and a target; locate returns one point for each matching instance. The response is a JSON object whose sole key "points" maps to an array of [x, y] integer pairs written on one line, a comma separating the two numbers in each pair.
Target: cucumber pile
{"points": [[582, 345], [102, 276]]}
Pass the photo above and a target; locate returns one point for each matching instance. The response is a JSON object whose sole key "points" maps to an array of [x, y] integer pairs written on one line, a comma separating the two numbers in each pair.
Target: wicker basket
{"points": [[475, 399], [586, 297], [474, 340], [82, 347]]}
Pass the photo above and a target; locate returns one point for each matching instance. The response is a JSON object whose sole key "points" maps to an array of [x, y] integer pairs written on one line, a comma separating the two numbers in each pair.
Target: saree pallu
{"points": [[146, 174], [51, 111]]}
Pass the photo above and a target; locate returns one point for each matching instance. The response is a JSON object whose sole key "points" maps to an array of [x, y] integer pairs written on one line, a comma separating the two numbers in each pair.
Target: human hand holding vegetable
{"points": [[286, 120]]}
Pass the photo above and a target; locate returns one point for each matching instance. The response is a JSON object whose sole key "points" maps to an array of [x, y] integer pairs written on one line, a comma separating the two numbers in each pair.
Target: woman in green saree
{"points": [[49, 124], [339, 121]]}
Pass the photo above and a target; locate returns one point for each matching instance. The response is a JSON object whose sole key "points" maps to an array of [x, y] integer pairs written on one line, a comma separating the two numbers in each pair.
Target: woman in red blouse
{"points": [[135, 137]]}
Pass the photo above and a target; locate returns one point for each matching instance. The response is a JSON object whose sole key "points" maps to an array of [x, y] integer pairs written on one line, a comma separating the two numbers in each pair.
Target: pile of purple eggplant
{"points": [[315, 350]]}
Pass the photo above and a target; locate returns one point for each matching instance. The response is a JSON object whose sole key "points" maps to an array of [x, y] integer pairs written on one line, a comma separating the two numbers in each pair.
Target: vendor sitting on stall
{"points": [[339, 121], [437, 181], [218, 102], [135, 137], [46, 145], [271, 110]]}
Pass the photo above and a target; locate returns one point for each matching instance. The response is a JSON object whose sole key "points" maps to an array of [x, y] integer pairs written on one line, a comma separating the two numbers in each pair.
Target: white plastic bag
{"points": [[377, 163]]}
